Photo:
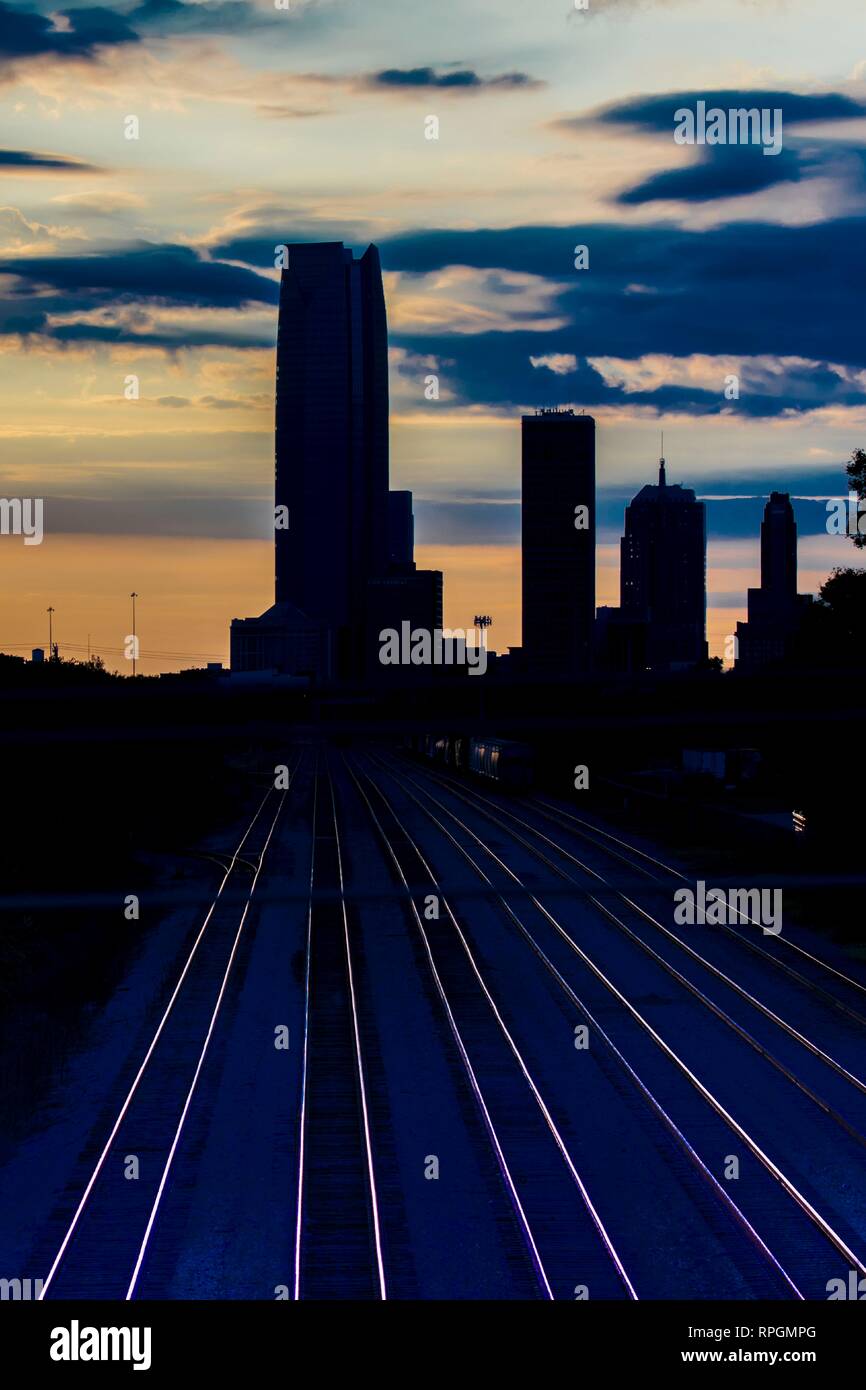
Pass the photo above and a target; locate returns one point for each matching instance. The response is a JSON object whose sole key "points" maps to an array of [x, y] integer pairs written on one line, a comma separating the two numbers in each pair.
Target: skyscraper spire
{"points": [[662, 478]]}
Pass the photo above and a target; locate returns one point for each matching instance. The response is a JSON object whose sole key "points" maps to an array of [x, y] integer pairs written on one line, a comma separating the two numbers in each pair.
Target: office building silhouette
{"points": [[775, 610], [336, 526], [558, 542], [663, 587]]}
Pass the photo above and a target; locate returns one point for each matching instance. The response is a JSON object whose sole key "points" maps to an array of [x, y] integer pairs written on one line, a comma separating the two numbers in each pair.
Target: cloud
{"points": [[204, 16], [457, 80], [91, 33], [493, 518], [162, 273], [721, 302], [256, 402], [393, 81], [461, 300], [560, 363], [656, 112], [494, 303], [281, 112], [741, 516], [98, 203], [476, 520], [23, 235], [200, 516], [409, 373], [723, 171], [766, 375], [502, 317], [75, 33], [28, 159], [87, 31], [251, 234], [115, 297], [722, 290]]}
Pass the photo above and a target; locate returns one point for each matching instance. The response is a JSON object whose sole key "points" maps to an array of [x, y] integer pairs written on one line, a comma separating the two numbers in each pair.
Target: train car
{"points": [[495, 759], [501, 760], [442, 748]]}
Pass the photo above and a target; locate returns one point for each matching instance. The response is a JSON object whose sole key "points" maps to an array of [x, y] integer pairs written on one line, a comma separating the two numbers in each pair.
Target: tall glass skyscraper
{"points": [[331, 454], [338, 530]]}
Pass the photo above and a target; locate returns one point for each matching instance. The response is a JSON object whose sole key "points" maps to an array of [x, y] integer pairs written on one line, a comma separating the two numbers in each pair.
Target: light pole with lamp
{"points": [[133, 596], [482, 621]]}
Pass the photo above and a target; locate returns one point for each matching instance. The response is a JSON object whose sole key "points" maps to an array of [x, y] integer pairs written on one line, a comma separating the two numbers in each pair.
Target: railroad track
{"points": [[564, 1240], [820, 972], [108, 1232], [817, 1222], [559, 1217], [855, 1128], [338, 1238]]}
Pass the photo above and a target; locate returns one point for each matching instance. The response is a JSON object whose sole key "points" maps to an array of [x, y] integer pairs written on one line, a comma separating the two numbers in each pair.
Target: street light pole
{"points": [[50, 611], [133, 596], [482, 621]]}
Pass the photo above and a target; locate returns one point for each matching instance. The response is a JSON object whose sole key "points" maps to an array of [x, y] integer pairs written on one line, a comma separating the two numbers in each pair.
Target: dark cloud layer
{"points": [[29, 159], [82, 33], [221, 518], [750, 289], [747, 290], [158, 274], [44, 287], [25, 33], [721, 171], [491, 520], [484, 518], [730, 170], [656, 112]]}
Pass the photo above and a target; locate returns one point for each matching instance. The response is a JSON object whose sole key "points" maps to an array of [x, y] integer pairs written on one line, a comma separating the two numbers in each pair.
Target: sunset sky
{"points": [[153, 258]]}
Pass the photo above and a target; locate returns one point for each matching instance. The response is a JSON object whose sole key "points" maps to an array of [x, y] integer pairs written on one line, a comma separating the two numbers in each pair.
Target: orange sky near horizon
{"points": [[190, 588]]}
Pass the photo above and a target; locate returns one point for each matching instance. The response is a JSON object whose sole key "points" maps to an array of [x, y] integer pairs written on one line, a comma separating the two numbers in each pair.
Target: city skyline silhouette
{"points": [[432, 637]]}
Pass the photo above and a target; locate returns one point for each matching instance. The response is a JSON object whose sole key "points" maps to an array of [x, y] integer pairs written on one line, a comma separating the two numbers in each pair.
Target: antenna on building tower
{"points": [[662, 479]]}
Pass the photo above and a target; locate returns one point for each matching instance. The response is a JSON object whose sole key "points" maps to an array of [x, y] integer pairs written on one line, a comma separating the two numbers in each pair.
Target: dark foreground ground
{"points": [[393, 1033]]}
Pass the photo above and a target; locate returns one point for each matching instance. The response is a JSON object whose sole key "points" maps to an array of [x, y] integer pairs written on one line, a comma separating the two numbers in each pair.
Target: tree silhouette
{"points": [[856, 470], [833, 631], [844, 593]]}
